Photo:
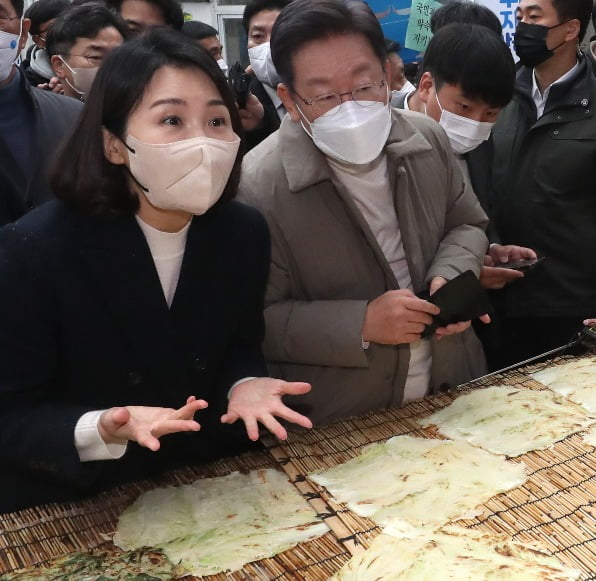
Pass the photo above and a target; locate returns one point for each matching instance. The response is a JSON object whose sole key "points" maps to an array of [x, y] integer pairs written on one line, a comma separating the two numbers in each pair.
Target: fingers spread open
{"points": [[173, 426], [148, 441], [229, 418], [274, 426], [296, 388], [252, 428]]}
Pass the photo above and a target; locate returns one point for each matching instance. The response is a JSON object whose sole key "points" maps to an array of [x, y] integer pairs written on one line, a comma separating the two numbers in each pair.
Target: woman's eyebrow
{"points": [[178, 101], [168, 101]]}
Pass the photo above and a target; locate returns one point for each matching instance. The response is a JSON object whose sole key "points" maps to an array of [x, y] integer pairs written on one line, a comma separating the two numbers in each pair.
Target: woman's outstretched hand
{"points": [[145, 425], [260, 401]]}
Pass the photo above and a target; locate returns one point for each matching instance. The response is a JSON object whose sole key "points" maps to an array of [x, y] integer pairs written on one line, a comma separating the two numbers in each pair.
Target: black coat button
{"points": [[134, 378], [200, 364]]}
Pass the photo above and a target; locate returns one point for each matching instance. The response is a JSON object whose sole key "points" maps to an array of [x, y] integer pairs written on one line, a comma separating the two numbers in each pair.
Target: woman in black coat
{"points": [[134, 301]]}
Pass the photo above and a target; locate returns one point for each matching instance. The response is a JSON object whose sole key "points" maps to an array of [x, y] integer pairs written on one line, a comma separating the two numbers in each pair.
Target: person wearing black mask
{"points": [[542, 178]]}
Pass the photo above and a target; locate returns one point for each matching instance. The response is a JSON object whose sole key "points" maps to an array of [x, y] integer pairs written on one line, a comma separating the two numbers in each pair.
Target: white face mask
{"points": [[188, 175], [353, 134], [223, 66], [9, 50], [464, 134], [262, 65], [81, 77]]}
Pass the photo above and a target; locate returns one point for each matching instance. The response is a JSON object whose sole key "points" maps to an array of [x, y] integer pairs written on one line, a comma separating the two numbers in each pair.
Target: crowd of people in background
{"points": [[139, 299]]}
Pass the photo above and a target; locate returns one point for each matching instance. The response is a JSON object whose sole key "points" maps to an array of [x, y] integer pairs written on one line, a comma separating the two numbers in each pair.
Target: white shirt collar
{"points": [[406, 104], [164, 244], [540, 99], [407, 88]]}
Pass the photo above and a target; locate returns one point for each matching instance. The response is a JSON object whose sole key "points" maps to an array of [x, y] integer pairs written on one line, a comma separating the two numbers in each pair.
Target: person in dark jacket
{"points": [[33, 124], [78, 41], [542, 178], [37, 66], [136, 299], [258, 20]]}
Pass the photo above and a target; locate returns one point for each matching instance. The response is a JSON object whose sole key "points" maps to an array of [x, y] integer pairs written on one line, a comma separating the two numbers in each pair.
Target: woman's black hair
{"points": [[82, 176]]}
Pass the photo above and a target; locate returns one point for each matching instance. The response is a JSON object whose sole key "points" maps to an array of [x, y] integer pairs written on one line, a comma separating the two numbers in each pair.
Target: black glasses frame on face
{"points": [[364, 95]]}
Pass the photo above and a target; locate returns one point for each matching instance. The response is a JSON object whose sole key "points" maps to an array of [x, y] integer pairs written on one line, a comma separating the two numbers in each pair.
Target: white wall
{"points": [[202, 11]]}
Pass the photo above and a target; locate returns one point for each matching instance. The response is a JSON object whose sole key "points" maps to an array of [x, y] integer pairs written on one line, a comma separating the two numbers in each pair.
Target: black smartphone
{"points": [[524, 264]]}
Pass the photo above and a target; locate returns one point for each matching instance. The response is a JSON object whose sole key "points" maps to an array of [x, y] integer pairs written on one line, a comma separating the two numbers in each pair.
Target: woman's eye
{"points": [[218, 122], [172, 120]]}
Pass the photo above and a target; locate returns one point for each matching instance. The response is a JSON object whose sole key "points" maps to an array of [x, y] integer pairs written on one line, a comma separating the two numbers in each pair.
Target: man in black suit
{"points": [[32, 123], [258, 20]]}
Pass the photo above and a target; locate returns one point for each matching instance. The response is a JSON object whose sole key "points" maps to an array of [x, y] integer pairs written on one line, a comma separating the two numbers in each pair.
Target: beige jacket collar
{"points": [[306, 166]]}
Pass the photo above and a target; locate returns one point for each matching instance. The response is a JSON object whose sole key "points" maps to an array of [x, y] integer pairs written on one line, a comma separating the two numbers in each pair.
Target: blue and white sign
{"points": [[505, 10], [394, 16]]}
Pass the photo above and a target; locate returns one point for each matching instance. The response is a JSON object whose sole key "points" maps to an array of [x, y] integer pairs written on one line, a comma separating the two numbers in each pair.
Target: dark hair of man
{"points": [[171, 10], [474, 58], [392, 46], [18, 6], [255, 6], [82, 176], [464, 12], [198, 30], [304, 21], [42, 11], [575, 9], [82, 21]]}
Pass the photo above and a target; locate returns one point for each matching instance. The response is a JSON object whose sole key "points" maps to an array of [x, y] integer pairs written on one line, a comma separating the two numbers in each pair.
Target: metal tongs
{"points": [[585, 337]]}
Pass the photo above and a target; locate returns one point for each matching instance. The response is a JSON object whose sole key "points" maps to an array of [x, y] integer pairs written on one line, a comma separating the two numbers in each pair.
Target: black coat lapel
{"points": [[116, 258]]}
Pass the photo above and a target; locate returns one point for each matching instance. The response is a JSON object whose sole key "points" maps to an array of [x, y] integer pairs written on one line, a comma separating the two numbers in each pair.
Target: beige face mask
{"points": [[82, 79], [188, 175]]}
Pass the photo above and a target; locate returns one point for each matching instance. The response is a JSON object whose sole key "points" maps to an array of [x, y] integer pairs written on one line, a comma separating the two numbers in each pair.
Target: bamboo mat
{"points": [[34, 536], [554, 510]]}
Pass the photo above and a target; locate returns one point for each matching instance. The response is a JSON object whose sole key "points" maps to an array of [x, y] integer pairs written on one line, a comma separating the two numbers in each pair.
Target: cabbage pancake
{"points": [[453, 553], [575, 380], [419, 480], [511, 421], [220, 524], [141, 565]]}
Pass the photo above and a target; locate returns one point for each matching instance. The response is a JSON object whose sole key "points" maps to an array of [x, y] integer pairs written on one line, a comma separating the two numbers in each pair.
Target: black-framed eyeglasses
{"points": [[6, 20], [364, 95]]}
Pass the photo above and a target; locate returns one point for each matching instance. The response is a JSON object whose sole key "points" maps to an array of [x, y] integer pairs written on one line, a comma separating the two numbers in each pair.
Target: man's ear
{"points": [[114, 150], [572, 32], [284, 93], [58, 66], [425, 85], [24, 33]]}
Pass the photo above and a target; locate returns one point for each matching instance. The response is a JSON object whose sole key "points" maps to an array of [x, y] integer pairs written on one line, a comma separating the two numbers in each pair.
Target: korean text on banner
{"points": [[418, 34]]}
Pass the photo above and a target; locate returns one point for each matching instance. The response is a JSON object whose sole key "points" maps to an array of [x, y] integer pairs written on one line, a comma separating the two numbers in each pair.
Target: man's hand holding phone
{"points": [[504, 264]]}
